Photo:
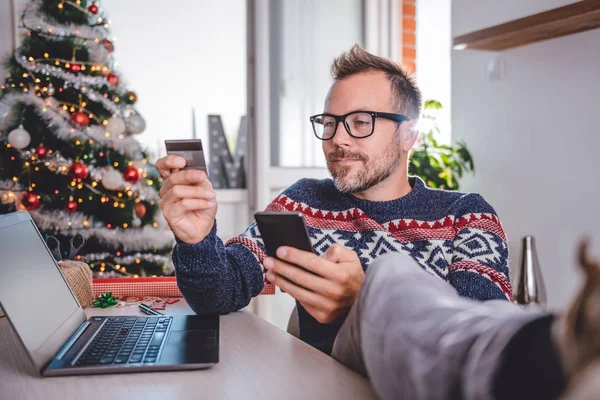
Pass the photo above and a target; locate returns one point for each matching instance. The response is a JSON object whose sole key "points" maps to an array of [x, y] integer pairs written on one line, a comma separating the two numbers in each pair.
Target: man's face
{"points": [[359, 164]]}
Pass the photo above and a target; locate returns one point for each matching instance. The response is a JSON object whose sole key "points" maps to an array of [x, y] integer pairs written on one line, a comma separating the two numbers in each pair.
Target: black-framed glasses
{"points": [[358, 124]]}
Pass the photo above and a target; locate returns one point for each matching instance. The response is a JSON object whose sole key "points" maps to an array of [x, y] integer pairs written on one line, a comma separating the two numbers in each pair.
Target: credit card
{"points": [[191, 150]]}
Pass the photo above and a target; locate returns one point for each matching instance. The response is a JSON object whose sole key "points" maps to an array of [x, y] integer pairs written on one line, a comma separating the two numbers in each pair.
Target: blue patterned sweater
{"points": [[455, 236]]}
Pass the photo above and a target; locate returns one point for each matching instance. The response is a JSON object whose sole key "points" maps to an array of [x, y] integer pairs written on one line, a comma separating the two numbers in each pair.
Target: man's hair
{"points": [[407, 96]]}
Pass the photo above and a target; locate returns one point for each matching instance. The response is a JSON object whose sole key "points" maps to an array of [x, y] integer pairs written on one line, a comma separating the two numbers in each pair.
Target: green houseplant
{"points": [[439, 165]]}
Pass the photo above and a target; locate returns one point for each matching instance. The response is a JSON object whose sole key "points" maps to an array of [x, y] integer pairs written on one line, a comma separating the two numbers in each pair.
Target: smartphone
{"points": [[283, 229], [191, 150]]}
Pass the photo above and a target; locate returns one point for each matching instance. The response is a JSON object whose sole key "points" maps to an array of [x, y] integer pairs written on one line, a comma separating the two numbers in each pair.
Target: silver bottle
{"points": [[529, 285]]}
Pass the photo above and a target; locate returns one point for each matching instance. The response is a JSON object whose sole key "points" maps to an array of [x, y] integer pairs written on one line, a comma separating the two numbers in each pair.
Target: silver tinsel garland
{"points": [[31, 20], [60, 165], [131, 239], [62, 128], [59, 73]]}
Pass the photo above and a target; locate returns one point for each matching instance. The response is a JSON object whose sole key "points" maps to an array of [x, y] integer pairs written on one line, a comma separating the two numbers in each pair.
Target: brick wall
{"points": [[409, 51]]}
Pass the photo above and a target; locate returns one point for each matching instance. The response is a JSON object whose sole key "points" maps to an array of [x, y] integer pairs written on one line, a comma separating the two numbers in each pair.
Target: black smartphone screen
{"points": [[283, 229]]}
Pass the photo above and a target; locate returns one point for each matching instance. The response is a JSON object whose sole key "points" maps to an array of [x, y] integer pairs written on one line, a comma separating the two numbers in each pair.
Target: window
{"points": [[305, 36]]}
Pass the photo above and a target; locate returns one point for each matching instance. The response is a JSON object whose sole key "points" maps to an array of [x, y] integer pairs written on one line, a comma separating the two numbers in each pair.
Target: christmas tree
{"points": [[68, 152]]}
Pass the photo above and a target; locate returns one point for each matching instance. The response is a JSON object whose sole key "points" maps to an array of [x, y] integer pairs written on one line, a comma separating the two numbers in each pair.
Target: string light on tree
{"points": [[51, 90]]}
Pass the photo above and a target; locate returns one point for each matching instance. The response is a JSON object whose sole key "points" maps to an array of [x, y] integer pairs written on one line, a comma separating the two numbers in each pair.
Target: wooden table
{"points": [[257, 361]]}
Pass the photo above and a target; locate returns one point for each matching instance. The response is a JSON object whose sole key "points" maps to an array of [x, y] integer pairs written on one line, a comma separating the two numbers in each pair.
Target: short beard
{"points": [[373, 172]]}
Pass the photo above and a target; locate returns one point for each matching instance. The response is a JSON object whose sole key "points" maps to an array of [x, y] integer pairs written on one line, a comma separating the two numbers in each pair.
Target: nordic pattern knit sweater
{"points": [[455, 236]]}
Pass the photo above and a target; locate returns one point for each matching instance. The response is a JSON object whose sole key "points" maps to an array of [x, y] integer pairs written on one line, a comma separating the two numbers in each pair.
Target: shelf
{"points": [[573, 18]]}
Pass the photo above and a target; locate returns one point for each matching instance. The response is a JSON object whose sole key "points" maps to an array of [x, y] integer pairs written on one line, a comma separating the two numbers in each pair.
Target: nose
{"points": [[342, 137]]}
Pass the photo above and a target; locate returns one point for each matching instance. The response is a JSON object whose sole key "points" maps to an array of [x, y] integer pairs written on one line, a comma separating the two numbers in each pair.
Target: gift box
{"points": [[162, 286]]}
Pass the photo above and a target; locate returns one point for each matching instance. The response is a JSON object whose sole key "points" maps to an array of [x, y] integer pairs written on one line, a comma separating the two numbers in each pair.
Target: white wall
{"points": [[534, 135], [6, 36], [176, 58]]}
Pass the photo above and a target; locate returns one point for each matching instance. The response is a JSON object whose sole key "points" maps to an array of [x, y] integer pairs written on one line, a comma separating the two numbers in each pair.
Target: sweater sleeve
{"points": [[215, 279], [479, 266]]}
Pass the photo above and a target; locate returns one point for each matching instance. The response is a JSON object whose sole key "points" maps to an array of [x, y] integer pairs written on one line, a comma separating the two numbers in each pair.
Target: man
{"points": [[371, 207]]}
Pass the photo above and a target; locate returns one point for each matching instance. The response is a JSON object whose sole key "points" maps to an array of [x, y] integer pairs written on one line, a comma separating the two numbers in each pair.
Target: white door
{"points": [[291, 45]]}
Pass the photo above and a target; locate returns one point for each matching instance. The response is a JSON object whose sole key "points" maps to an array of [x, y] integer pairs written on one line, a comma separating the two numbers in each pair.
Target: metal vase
{"points": [[529, 284]]}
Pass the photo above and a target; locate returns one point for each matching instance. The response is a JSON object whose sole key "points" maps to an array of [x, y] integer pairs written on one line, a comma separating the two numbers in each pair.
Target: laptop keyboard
{"points": [[127, 340]]}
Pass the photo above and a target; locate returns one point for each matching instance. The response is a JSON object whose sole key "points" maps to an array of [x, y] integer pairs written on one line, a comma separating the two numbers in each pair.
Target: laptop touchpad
{"points": [[205, 338]]}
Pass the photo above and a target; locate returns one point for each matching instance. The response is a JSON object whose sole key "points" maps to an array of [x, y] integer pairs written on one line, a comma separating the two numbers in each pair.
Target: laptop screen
{"points": [[33, 292]]}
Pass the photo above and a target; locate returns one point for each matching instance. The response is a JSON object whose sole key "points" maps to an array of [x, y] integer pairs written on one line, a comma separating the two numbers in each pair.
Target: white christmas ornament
{"points": [[19, 138], [136, 222], [115, 126], [112, 179], [135, 124]]}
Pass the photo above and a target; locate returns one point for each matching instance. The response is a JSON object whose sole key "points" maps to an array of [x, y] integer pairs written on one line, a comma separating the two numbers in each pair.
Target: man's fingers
{"points": [[305, 259], [300, 277], [187, 177], [165, 165], [333, 253], [190, 192], [297, 292], [174, 210], [337, 253]]}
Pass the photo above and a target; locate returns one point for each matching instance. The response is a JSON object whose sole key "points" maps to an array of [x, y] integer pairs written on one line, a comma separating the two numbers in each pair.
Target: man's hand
{"points": [[329, 291], [187, 200]]}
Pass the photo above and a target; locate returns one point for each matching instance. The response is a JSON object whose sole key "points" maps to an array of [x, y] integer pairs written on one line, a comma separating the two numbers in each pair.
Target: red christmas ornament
{"points": [[108, 45], [78, 171], [140, 210], [80, 118], [71, 206], [30, 200], [93, 8], [75, 67], [41, 152], [131, 174], [113, 79]]}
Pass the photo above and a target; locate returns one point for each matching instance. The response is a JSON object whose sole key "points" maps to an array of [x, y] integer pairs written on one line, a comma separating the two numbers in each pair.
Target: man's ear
{"points": [[410, 133]]}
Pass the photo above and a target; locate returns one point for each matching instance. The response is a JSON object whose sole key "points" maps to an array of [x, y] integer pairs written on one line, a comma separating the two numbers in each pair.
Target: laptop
{"points": [[58, 337]]}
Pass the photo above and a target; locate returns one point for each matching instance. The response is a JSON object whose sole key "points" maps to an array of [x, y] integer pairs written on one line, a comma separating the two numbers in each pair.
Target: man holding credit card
{"points": [[370, 207]]}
